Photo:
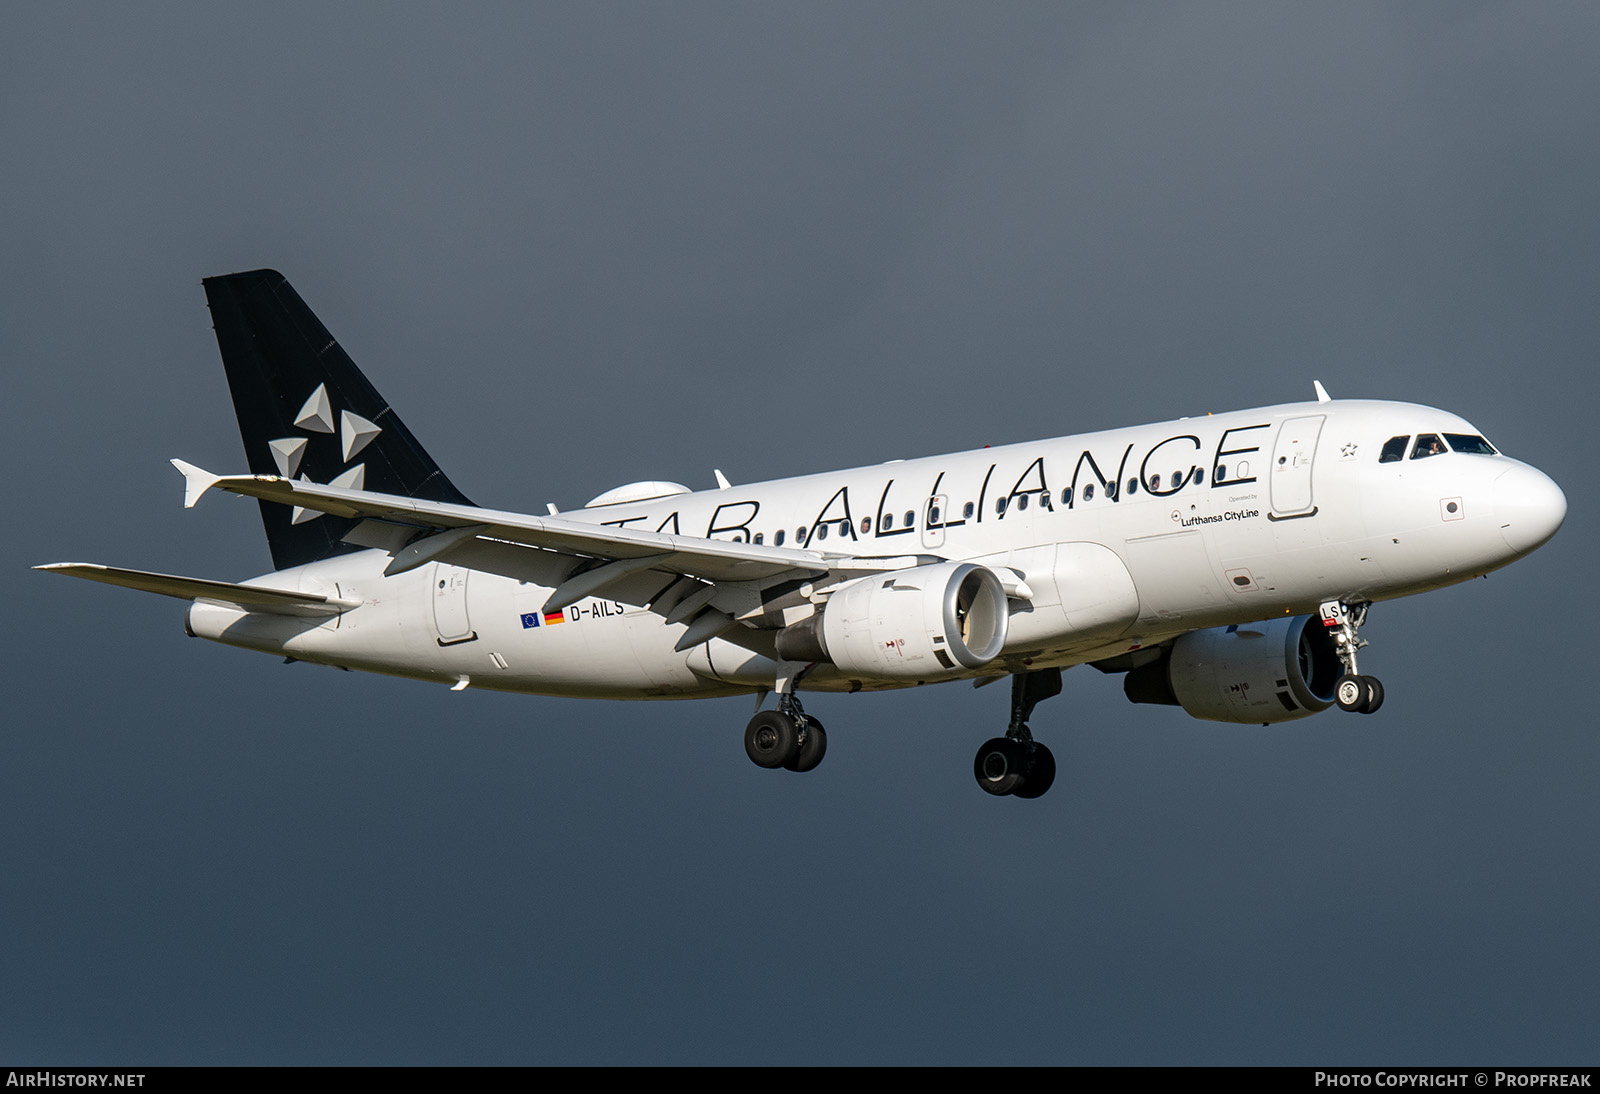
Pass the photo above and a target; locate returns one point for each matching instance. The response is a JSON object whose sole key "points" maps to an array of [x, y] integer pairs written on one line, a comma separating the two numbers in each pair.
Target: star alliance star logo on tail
{"points": [[316, 416]]}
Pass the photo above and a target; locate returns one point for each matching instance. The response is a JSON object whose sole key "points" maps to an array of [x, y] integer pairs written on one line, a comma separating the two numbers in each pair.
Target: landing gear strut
{"points": [[1352, 691], [787, 737], [1016, 764]]}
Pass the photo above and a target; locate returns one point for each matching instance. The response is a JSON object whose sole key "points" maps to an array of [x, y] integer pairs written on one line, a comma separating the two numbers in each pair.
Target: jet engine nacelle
{"points": [[925, 623], [1258, 673]]}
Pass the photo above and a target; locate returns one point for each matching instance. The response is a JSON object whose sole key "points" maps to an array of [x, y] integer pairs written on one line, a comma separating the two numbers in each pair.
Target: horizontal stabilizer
{"points": [[196, 481], [251, 598]]}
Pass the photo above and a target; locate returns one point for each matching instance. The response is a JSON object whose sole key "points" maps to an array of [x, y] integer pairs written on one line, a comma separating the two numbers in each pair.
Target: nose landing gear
{"points": [[1352, 691]]}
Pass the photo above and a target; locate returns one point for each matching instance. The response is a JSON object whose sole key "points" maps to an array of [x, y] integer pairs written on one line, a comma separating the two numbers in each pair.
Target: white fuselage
{"points": [[1123, 538]]}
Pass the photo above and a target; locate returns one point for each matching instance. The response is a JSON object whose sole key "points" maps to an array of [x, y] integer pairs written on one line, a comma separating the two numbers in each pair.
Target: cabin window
{"points": [[866, 525], [822, 531], [760, 536], [933, 515], [1133, 486], [967, 510], [1111, 491], [1199, 476], [1022, 502], [1066, 496], [777, 538], [1000, 506], [1428, 444], [911, 519], [1219, 473], [1470, 443], [1088, 492], [800, 534]]}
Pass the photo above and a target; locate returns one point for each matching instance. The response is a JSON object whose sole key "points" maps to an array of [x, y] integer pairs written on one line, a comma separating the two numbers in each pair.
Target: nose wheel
{"points": [[1361, 694]]}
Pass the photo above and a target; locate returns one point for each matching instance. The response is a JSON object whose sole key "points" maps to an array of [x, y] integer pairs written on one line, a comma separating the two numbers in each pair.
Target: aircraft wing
{"points": [[712, 560], [252, 598]]}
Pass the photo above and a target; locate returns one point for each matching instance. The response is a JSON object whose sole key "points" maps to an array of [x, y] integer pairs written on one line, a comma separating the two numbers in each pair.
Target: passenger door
{"points": [[1290, 479]]}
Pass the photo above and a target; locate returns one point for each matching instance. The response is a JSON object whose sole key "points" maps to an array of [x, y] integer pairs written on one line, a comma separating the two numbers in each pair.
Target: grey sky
{"points": [[583, 244]]}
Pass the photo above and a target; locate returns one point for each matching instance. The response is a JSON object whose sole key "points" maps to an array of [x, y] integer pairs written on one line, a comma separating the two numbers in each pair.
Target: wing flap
{"points": [[252, 598]]}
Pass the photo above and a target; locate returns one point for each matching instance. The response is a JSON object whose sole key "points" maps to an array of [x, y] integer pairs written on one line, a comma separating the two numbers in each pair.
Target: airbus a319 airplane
{"points": [[1224, 564]]}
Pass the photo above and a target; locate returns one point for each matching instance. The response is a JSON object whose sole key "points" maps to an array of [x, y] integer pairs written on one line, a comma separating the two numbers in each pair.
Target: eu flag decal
{"points": [[530, 619]]}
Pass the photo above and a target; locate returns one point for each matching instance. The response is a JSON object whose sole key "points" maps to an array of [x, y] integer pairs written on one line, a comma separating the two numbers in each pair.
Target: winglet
{"points": [[196, 481], [1322, 392], [722, 480]]}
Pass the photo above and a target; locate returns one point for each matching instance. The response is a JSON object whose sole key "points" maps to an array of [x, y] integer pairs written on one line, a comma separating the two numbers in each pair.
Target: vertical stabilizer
{"points": [[306, 411]]}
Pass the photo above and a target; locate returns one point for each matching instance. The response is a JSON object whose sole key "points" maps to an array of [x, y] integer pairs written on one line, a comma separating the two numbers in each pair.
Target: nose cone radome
{"points": [[1529, 506]]}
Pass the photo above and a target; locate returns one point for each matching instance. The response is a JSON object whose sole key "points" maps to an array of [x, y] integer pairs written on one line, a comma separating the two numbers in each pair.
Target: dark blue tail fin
{"points": [[305, 411]]}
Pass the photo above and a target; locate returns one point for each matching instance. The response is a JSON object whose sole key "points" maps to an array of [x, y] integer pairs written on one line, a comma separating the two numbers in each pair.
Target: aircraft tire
{"points": [[1351, 692], [1000, 766], [1041, 774], [809, 754], [771, 739], [1374, 695]]}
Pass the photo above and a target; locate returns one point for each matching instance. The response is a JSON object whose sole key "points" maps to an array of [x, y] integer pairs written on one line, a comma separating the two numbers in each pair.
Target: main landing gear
{"points": [[787, 737], [1352, 691], [1016, 764]]}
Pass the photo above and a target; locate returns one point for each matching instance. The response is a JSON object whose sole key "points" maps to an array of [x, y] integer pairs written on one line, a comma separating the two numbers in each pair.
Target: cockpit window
{"points": [[1394, 449], [1428, 444], [1467, 442]]}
